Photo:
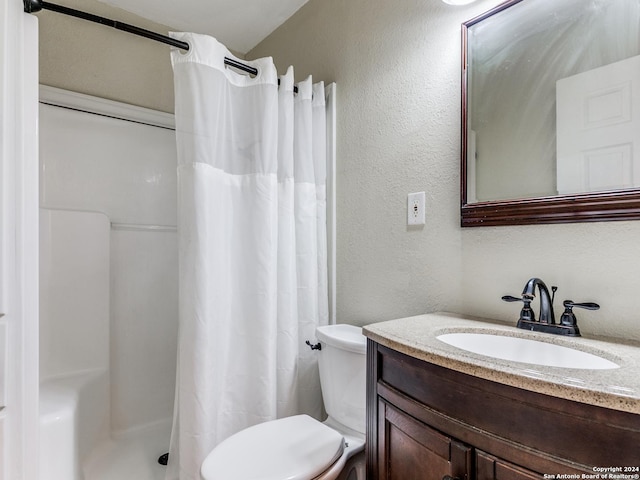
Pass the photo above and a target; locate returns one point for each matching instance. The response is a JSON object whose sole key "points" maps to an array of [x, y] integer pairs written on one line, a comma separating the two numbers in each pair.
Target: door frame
{"points": [[19, 378]]}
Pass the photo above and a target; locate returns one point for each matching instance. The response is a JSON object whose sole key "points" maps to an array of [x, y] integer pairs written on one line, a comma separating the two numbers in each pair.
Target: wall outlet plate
{"points": [[416, 208]]}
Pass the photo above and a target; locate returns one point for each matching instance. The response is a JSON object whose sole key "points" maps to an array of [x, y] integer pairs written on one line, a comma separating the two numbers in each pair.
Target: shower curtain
{"points": [[252, 248]]}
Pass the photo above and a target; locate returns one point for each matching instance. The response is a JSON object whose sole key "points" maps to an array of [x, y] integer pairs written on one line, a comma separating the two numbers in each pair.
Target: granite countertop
{"points": [[617, 388]]}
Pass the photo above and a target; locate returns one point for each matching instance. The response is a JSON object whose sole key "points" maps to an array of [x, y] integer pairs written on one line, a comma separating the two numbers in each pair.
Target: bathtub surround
{"points": [[252, 165], [74, 292], [109, 274], [74, 339]]}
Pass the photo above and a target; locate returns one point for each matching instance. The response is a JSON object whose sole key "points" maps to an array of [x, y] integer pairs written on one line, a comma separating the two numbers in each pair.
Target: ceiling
{"points": [[239, 24]]}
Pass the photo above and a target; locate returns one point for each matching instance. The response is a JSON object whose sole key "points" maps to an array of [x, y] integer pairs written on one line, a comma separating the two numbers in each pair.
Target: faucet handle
{"points": [[526, 313], [568, 318], [569, 304], [510, 298]]}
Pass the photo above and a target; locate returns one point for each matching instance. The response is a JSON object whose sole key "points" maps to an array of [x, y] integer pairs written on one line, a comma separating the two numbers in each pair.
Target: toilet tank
{"points": [[342, 364]]}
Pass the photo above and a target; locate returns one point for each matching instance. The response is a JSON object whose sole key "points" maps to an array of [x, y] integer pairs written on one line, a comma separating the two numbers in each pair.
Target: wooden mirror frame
{"points": [[587, 207]]}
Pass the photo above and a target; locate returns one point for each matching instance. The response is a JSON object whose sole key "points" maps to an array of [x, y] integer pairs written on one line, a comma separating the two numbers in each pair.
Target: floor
{"points": [[131, 456]]}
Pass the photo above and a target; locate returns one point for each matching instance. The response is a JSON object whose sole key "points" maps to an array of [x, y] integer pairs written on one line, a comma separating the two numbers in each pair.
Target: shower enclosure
{"points": [[108, 287]]}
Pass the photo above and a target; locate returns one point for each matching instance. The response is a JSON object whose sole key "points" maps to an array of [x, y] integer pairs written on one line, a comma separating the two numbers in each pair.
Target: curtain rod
{"points": [[33, 6]]}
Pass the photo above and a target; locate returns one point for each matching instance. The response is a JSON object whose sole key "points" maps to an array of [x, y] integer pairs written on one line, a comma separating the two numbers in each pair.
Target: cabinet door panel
{"points": [[410, 450], [489, 467]]}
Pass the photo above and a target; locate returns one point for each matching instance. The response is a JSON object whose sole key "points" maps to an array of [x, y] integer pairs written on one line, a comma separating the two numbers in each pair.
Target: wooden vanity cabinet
{"points": [[413, 451], [426, 422], [488, 467]]}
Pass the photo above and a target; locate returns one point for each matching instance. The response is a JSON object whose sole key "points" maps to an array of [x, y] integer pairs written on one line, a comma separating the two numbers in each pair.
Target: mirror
{"points": [[551, 113]]}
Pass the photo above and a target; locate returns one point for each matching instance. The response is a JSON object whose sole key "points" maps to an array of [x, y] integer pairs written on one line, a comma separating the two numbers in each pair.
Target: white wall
{"points": [[127, 172], [397, 66]]}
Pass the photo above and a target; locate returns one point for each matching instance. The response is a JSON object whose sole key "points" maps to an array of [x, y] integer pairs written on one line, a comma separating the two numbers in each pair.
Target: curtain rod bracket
{"points": [[32, 6]]}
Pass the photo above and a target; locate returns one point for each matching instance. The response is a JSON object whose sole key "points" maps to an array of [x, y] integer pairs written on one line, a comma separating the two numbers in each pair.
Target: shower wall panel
{"points": [[144, 327], [127, 171], [74, 292], [123, 169]]}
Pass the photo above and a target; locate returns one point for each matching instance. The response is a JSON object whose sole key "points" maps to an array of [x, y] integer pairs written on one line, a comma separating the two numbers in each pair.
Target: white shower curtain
{"points": [[252, 248]]}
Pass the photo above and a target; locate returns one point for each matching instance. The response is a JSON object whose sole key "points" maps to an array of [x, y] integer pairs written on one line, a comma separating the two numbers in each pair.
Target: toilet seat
{"points": [[292, 448]]}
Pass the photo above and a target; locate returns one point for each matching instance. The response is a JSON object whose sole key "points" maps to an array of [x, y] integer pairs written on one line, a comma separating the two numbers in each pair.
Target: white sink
{"points": [[526, 351]]}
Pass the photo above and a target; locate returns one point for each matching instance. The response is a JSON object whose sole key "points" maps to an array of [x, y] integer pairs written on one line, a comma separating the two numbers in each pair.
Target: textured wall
{"points": [[397, 66], [89, 58]]}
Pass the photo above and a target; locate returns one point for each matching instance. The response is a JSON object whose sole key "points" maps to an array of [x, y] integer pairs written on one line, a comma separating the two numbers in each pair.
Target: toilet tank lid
{"points": [[347, 337], [295, 448]]}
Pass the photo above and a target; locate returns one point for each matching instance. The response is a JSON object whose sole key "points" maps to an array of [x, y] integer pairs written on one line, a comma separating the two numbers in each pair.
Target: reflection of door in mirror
{"points": [[598, 120], [472, 158]]}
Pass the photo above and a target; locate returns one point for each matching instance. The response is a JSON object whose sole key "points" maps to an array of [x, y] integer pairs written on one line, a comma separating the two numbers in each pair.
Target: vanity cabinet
{"points": [[429, 422], [488, 467], [412, 450]]}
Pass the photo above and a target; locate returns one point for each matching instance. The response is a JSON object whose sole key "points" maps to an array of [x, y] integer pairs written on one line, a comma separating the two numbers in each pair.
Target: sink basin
{"points": [[526, 351]]}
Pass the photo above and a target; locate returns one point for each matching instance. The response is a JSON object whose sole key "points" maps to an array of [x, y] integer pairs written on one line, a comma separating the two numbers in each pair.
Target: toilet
{"points": [[300, 447]]}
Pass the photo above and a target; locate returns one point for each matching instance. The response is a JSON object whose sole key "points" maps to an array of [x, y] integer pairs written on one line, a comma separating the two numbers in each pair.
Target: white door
{"points": [[598, 128]]}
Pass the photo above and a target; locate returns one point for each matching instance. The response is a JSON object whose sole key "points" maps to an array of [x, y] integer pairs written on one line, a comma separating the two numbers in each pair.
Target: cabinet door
{"points": [[489, 467], [410, 450]]}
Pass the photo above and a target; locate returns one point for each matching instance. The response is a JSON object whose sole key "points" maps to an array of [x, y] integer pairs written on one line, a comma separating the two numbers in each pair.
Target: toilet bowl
{"points": [[300, 447]]}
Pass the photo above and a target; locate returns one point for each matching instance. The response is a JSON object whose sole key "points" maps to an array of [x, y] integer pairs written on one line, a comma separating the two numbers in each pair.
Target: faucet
{"points": [[546, 302], [547, 323]]}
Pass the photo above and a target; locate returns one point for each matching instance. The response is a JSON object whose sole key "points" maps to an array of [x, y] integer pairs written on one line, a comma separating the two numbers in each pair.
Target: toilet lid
{"points": [[292, 448]]}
